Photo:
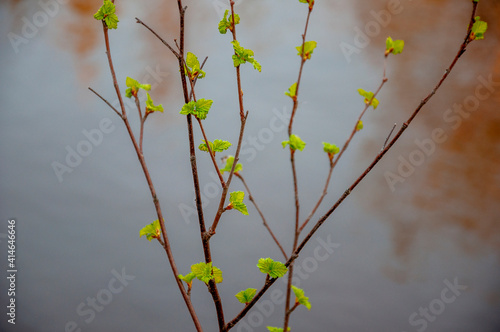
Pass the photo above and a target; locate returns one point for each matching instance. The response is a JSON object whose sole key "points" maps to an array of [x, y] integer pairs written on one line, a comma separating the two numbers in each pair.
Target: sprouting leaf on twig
{"points": [[217, 146], [199, 108], [236, 202], [229, 165], [150, 106], [243, 55], [192, 68], [300, 298], [152, 231], [368, 98], [274, 268], [227, 23], [107, 13], [245, 296], [295, 143], [134, 86], [478, 29], [308, 50], [394, 46]]}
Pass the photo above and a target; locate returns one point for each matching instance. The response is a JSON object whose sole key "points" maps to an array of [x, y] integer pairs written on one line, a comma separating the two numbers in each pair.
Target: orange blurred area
{"points": [[453, 194]]}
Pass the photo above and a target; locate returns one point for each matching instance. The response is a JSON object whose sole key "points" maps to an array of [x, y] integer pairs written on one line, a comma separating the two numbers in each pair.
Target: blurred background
{"points": [[414, 248]]}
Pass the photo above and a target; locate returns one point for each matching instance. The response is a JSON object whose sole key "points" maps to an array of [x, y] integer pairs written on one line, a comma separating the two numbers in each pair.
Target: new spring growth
{"points": [[227, 23], [295, 143], [310, 2], [246, 296], [369, 100], [217, 146], [229, 164], [292, 91], [478, 29], [271, 267], [134, 86], [236, 202], [307, 49], [300, 298], [330, 149], [152, 231], [393, 46], [192, 68], [107, 14]]}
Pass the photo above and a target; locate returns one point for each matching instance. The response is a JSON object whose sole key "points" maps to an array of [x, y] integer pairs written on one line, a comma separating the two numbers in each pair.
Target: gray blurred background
{"points": [[396, 249]]}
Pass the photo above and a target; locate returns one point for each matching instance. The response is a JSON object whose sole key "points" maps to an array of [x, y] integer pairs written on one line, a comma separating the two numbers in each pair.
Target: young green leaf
{"points": [[243, 55], [295, 143], [150, 107], [245, 296], [227, 23], [229, 165], [236, 202], [188, 278], [199, 108], [330, 149], [152, 231], [205, 272], [300, 297], [310, 2], [277, 329], [193, 69], [359, 126], [478, 29], [309, 47], [134, 86], [107, 13], [368, 96], [275, 269], [217, 146], [292, 91], [394, 46]]}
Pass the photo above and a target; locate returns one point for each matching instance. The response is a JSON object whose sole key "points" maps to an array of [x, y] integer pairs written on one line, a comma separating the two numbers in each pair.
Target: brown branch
{"points": [[142, 161], [264, 221], [320, 222]]}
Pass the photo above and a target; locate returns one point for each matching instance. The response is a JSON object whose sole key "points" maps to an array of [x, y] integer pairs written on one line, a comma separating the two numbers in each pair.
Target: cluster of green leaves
{"points": [[152, 231], [295, 143], [236, 202], [330, 149], [204, 272], [306, 50], [107, 14], [229, 165], [198, 108], [134, 86], [292, 91], [227, 22], [271, 267], [192, 68], [243, 55], [394, 46], [246, 296], [300, 298], [478, 29], [369, 100], [217, 146]]}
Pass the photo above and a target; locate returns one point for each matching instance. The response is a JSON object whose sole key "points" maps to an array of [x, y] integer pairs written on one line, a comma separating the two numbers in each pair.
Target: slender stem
{"points": [[346, 144], [156, 202], [294, 174], [107, 102], [264, 221], [379, 156]]}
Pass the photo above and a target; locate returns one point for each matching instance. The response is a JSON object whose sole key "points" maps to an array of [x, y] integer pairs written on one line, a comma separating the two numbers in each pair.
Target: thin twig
{"points": [[107, 102], [264, 221], [389, 136], [156, 202]]}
